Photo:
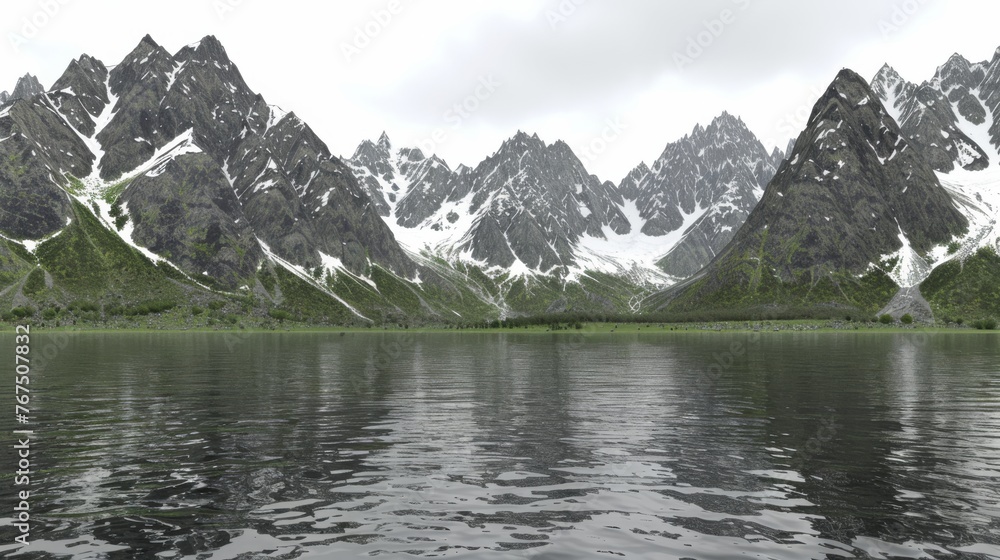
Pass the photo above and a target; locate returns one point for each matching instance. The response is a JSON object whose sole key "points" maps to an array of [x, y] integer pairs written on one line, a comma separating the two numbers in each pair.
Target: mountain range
{"points": [[163, 185], [892, 185], [532, 209]]}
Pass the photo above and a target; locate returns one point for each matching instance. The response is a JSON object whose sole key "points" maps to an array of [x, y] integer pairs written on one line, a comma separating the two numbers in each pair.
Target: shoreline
{"points": [[740, 327]]}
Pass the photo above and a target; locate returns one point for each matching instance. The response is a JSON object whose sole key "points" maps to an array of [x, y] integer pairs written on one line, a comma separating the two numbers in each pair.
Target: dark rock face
{"points": [[36, 151], [27, 87], [714, 176], [928, 119], [376, 160], [936, 114], [529, 202], [629, 186], [853, 184], [193, 227], [233, 177], [431, 181], [989, 91], [536, 199], [850, 163], [81, 93]]}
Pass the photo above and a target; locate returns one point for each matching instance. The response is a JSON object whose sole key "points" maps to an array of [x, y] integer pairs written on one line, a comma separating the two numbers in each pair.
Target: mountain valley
{"points": [[163, 186]]}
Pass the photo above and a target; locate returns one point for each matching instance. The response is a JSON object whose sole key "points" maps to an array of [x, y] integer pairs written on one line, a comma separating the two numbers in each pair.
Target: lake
{"points": [[511, 446]]}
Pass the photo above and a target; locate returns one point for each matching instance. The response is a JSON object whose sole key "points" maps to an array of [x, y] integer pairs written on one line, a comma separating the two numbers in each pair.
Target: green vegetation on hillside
{"points": [[812, 294], [88, 275], [967, 290]]}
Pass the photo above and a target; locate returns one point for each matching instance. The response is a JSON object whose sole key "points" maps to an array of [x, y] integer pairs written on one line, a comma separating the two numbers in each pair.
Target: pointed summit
{"points": [[850, 86], [853, 191], [81, 93], [27, 87], [208, 49], [957, 72], [957, 60], [520, 141], [927, 114], [384, 143], [887, 71], [146, 58], [629, 186]]}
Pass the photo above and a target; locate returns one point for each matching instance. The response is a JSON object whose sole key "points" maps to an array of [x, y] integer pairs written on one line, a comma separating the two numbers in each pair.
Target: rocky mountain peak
{"points": [[147, 59], [723, 128], [931, 115], [4, 96], [370, 153], [852, 145], [726, 120], [561, 150], [958, 61], [957, 71], [521, 142], [888, 74], [147, 47], [27, 87], [208, 50], [850, 86], [629, 186], [889, 85], [384, 143], [852, 191], [413, 155], [87, 65]]}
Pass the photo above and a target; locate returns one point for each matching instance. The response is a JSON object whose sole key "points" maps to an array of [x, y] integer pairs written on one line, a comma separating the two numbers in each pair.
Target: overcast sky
{"points": [[616, 79]]}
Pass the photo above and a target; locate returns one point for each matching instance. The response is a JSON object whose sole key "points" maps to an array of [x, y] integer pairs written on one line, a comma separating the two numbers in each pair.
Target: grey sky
{"points": [[616, 79]]}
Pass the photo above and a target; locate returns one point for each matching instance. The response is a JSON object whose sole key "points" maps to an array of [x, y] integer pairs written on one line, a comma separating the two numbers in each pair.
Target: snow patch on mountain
{"points": [[980, 134], [977, 197], [633, 254], [156, 165], [306, 277], [911, 269]]}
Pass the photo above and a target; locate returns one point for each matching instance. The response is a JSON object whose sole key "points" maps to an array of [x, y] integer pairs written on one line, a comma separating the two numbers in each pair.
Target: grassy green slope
{"points": [[965, 290], [748, 283]]}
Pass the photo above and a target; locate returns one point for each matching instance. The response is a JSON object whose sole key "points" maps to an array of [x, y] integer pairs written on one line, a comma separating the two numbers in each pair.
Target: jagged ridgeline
{"points": [[853, 191], [237, 205], [168, 182], [163, 185], [533, 210]]}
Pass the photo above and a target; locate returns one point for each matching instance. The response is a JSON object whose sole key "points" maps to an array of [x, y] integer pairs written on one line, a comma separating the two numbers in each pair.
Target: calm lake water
{"points": [[780, 445]]}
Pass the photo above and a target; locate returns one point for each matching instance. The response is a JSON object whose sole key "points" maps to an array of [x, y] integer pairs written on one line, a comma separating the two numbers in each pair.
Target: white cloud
{"points": [[565, 66]]}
